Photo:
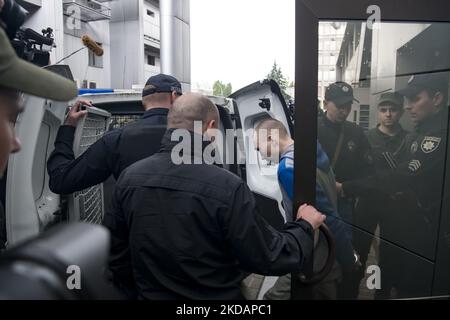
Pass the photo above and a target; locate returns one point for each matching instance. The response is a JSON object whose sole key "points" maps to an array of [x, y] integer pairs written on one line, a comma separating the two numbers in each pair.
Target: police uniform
{"points": [[115, 151], [378, 209], [192, 231], [387, 150], [345, 144], [353, 158], [417, 180], [349, 152]]}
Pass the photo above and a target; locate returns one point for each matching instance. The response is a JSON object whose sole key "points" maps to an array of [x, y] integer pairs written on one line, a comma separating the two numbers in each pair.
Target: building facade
{"points": [[382, 59], [331, 35], [129, 31]]}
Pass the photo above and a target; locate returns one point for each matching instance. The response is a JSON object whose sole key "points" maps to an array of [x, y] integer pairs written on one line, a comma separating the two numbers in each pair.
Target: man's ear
{"points": [[173, 97], [438, 99], [212, 124]]}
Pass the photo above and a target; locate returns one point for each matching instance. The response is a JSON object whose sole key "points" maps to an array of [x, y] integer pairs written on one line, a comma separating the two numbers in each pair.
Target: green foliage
{"points": [[277, 75], [221, 89]]}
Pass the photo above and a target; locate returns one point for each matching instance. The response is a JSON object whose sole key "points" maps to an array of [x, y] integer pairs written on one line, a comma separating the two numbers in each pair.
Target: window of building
{"points": [[95, 61], [151, 60], [150, 13], [364, 113]]}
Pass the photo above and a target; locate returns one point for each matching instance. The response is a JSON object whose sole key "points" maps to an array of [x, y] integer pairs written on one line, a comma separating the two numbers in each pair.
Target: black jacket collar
{"points": [[155, 112]]}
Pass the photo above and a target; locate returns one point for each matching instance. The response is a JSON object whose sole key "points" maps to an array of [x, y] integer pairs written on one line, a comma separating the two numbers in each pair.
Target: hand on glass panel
{"points": [[311, 215]]}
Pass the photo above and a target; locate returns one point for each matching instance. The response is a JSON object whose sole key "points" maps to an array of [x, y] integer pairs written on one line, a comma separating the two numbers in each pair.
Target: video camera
{"points": [[29, 44]]}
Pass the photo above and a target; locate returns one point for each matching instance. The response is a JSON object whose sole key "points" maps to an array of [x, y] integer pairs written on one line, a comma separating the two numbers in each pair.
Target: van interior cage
{"points": [[120, 121], [88, 205]]}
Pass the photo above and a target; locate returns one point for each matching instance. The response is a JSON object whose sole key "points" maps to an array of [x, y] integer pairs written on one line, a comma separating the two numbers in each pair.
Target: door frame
{"points": [[308, 13]]}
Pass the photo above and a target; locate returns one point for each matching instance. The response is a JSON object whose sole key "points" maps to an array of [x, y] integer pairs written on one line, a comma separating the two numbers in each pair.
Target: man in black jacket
{"points": [[117, 149], [349, 152], [417, 180], [191, 230]]}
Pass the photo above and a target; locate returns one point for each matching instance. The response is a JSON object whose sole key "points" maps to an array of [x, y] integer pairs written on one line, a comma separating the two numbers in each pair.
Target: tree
{"points": [[277, 75], [221, 89]]}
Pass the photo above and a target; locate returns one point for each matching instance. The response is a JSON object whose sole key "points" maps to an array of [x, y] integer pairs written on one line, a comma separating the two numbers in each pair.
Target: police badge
{"points": [[430, 144]]}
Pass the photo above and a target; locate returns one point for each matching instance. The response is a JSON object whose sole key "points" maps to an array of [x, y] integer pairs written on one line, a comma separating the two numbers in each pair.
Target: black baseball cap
{"points": [[391, 98], [431, 81], [340, 93], [162, 83]]}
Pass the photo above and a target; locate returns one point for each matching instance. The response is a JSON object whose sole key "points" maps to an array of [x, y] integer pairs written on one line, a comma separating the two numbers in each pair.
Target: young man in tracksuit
{"points": [[274, 143]]}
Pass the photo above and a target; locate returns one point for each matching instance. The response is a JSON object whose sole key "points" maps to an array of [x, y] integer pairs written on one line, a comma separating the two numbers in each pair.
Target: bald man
{"points": [[192, 230]]}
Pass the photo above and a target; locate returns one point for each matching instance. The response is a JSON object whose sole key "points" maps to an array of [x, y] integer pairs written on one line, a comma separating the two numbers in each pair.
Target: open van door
{"points": [[254, 103], [30, 205]]}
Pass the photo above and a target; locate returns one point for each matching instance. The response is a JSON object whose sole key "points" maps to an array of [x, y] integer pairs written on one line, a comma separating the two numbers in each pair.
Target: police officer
{"points": [[417, 180], [344, 142], [388, 145], [349, 152], [117, 149], [192, 229], [387, 139]]}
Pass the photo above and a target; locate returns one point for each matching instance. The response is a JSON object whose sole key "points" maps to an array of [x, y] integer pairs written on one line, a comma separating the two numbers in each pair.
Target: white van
{"points": [[36, 208]]}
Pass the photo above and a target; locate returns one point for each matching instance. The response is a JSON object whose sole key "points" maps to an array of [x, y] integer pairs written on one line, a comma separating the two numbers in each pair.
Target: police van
{"points": [[372, 58], [32, 208]]}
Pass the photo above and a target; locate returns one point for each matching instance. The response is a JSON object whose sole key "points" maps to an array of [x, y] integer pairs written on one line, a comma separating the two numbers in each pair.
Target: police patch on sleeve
{"points": [[414, 165], [430, 144]]}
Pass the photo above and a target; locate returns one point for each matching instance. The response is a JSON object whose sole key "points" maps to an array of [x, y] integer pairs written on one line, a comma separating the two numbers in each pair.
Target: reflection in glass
{"points": [[385, 132]]}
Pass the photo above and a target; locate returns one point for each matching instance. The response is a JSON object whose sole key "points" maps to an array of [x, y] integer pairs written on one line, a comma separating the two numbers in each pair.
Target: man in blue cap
{"points": [[117, 149]]}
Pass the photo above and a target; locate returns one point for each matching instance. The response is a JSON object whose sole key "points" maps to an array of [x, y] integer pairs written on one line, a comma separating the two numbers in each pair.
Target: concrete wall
{"points": [[124, 39], [386, 40], [175, 40], [79, 63], [127, 43], [152, 23], [50, 15], [127, 54], [385, 43]]}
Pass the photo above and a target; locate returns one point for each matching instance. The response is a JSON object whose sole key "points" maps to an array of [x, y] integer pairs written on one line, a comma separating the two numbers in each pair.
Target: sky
{"points": [[238, 41]]}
